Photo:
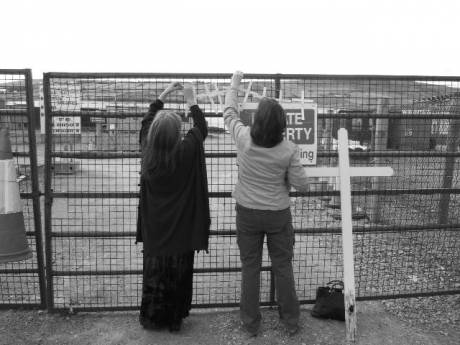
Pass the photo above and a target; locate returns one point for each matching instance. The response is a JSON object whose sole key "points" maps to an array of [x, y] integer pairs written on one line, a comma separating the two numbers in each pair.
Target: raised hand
{"points": [[169, 89], [236, 80], [189, 94]]}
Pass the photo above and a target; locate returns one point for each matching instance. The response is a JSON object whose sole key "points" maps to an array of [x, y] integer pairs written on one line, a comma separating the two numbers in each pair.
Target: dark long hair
{"points": [[269, 123], [159, 156]]}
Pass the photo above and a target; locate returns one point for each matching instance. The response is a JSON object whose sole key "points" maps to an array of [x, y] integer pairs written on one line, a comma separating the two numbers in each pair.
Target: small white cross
{"points": [[344, 172]]}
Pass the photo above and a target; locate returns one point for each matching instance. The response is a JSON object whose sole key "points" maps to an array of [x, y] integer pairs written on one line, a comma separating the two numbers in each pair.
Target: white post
{"points": [[347, 236]]}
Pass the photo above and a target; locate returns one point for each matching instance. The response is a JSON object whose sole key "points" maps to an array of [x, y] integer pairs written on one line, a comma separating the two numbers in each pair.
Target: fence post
{"points": [[327, 133], [379, 144], [98, 136], [48, 190], [272, 275], [35, 187], [327, 147], [452, 143]]}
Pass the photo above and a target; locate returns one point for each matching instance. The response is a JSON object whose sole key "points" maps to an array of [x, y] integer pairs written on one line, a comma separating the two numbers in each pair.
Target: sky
{"points": [[393, 37]]}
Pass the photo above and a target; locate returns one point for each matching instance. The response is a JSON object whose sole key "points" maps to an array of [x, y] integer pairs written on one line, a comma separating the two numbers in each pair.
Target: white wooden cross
{"points": [[344, 172]]}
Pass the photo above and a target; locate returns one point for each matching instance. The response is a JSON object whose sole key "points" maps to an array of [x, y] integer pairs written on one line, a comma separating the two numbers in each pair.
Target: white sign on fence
{"points": [[67, 125], [68, 99], [301, 126]]}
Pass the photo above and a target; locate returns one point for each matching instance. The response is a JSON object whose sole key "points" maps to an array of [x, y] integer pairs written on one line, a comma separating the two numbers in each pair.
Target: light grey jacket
{"points": [[265, 175]]}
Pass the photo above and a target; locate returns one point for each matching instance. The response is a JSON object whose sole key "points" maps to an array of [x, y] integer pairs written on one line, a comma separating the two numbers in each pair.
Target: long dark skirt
{"points": [[166, 290]]}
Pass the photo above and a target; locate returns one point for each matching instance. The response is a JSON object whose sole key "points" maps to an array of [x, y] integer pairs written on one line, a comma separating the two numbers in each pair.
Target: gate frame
{"points": [[34, 195], [278, 80]]}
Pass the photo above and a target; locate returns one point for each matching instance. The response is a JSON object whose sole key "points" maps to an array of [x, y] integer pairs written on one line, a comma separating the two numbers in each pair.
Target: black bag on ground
{"points": [[329, 301]]}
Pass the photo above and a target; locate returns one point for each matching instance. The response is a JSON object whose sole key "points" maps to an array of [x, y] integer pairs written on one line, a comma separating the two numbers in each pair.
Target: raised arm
{"points": [[148, 118], [231, 114], [199, 121], [197, 115], [153, 109]]}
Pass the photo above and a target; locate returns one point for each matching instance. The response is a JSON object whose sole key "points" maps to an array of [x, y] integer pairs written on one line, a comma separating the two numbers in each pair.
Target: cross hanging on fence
{"points": [[210, 94], [344, 172]]}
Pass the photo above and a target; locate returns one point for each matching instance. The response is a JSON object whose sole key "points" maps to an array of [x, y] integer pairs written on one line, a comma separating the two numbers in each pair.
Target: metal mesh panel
{"points": [[22, 283], [405, 227]]}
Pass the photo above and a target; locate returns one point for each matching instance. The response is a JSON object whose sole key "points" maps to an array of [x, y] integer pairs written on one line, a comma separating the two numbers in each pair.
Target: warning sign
{"points": [[67, 125], [301, 127]]}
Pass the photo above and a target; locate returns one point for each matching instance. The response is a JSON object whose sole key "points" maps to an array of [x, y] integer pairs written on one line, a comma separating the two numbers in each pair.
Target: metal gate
{"points": [[22, 284], [406, 228]]}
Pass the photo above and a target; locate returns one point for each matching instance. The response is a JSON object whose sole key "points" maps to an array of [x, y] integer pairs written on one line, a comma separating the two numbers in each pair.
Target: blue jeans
{"points": [[251, 226]]}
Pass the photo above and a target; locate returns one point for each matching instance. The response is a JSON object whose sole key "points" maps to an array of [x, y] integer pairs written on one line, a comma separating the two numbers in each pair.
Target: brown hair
{"points": [[159, 156], [269, 123]]}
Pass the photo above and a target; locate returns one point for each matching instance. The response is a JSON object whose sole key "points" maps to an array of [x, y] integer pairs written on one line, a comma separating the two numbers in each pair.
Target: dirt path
{"points": [[375, 327]]}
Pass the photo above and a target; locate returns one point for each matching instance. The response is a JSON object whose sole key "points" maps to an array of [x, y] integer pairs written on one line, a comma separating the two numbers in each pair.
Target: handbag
{"points": [[329, 301]]}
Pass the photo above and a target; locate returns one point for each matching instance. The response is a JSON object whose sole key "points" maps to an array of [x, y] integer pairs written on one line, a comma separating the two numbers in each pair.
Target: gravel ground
{"points": [[438, 314], [376, 326], [411, 262]]}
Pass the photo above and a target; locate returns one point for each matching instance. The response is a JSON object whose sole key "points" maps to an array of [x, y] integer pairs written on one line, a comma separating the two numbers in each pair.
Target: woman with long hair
{"points": [[173, 216], [268, 165]]}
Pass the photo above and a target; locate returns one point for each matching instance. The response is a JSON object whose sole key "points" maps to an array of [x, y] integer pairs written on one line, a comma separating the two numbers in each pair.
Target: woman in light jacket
{"points": [[268, 165]]}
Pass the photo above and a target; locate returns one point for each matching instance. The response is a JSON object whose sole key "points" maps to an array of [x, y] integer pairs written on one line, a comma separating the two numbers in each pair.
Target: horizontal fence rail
{"points": [[22, 284], [406, 227]]}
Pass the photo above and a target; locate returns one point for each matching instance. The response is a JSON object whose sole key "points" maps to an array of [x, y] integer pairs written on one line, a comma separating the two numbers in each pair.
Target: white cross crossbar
{"points": [[353, 171]]}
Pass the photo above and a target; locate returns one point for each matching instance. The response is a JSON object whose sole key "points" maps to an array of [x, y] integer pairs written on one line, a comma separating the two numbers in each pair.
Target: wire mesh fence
{"points": [[406, 227], [22, 284]]}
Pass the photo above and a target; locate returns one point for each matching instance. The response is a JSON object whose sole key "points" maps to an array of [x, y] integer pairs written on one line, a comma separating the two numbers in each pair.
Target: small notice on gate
{"points": [[301, 126], [67, 125]]}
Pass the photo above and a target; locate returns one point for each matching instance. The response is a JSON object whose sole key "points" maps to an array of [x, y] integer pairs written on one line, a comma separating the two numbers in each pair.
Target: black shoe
{"points": [[175, 326], [251, 331], [151, 326]]}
